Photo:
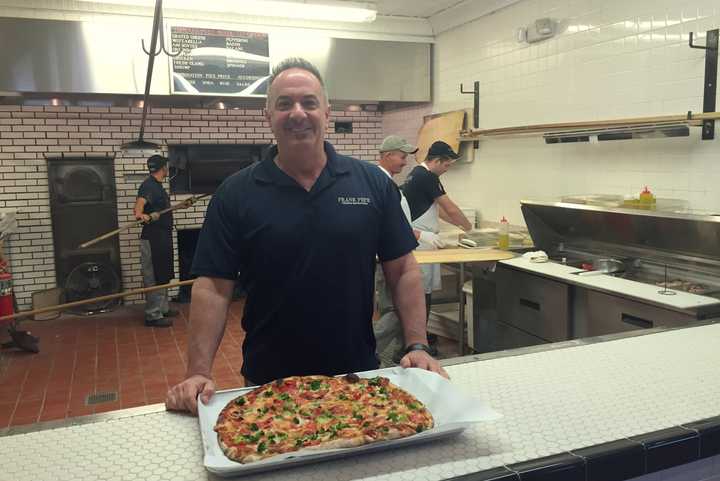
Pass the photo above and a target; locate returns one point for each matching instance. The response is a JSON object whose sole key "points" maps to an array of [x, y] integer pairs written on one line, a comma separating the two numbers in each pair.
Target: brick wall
{"points": [[405, 122], [28, 133]]}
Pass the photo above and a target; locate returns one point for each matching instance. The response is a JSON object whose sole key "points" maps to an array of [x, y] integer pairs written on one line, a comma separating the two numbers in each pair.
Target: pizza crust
{"points": [[339, 443]]}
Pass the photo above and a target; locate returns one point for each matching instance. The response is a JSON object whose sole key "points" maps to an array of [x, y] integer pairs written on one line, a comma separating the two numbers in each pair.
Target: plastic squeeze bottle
{"points": [[504, 234], [647, 199]]}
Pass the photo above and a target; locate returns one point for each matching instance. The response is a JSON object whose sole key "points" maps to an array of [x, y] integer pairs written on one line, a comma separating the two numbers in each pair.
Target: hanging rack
{"points": [[162, 40], [157, 31]]}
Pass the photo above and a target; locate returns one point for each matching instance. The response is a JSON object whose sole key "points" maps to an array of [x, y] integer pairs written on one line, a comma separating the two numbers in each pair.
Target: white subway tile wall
{"points": [[610, 59], [28, 133]]}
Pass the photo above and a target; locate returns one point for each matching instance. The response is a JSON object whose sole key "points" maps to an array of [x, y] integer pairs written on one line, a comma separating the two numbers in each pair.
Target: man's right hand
{"points": [[183, 396], [144, 218], [431, 238]]}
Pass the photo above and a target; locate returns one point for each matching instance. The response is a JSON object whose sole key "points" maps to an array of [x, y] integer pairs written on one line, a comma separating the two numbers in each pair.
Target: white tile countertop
{"points": [[648, 292], [553, 401]]}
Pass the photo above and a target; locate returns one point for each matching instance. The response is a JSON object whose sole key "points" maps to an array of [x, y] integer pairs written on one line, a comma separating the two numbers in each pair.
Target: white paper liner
{"points": [[452, 411]]}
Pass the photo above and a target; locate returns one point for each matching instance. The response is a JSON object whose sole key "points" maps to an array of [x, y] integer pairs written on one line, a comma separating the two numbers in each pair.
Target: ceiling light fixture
{"points": [[299, 9]]}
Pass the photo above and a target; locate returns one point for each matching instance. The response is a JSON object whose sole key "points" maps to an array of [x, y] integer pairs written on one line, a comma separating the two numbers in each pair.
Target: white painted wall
{"points": [[613, 59]]}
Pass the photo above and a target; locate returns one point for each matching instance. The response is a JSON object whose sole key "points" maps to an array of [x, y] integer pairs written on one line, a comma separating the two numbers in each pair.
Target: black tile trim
{"points": [[613, 461], [709, 431], [618, 460], [494, 474], [669, 447], [559, 467]]}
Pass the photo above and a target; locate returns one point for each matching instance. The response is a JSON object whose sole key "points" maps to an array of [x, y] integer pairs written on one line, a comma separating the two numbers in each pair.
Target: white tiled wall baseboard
{"points": [[611, 59]]}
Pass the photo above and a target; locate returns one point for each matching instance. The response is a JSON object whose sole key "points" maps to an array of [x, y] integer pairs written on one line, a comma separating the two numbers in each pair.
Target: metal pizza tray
{"points": [[452, 411]]}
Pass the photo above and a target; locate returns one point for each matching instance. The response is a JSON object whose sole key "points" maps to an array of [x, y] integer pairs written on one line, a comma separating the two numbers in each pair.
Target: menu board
{"points": [[219, 61]]}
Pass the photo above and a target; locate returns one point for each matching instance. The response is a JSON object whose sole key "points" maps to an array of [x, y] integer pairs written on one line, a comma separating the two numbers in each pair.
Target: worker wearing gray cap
{"points": [[394, 151], [156, 249]]}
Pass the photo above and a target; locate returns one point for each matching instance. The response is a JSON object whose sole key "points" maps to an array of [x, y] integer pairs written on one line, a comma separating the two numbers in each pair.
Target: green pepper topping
{"points": [[420, 428], [315, 385], [412, 405], [376, 381], [254, 427], [261, 447], [240, 401], [285, 396], [393, 416], [296, 420], [268, 393]]}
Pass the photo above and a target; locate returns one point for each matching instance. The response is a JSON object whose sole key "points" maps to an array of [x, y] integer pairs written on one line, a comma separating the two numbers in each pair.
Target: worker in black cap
{"points": [[428, 203], [156, 248]]}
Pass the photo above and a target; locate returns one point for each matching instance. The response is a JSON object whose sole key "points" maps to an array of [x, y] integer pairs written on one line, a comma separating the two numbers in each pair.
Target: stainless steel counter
{"points": [[554, 399]]}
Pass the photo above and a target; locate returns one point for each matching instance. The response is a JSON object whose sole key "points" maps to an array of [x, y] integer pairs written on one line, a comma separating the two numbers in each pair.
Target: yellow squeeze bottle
{"points": [[647, 199], [504, 234]]}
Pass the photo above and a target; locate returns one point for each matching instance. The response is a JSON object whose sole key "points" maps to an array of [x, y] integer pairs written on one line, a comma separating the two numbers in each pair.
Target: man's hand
{"points": [[183, 396], [186, 203], [144, 218], [431, 238], [423, 360]]}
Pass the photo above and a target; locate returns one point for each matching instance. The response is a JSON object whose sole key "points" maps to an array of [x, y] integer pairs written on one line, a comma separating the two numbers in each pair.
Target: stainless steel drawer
{"points": [[606, 314], [535, 304]]}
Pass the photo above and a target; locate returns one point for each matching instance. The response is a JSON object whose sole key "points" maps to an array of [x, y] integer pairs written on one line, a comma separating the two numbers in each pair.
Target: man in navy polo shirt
{"points": [[303, 227]]}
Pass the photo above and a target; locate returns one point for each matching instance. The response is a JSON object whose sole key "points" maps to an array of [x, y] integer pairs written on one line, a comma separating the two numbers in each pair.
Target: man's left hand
{"points": [[423, 360]]}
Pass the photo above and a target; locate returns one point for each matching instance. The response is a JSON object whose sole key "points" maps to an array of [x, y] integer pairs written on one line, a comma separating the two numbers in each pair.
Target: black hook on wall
{"points": [[476, 106], [710, 85]]}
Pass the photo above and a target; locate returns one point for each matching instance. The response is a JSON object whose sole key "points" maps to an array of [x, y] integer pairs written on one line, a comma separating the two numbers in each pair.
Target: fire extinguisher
{"points": [[6, 290]]}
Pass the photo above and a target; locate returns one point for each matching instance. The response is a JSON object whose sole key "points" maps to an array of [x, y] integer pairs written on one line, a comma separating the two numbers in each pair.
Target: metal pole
{"points": [[109, 297], [461, 313]]}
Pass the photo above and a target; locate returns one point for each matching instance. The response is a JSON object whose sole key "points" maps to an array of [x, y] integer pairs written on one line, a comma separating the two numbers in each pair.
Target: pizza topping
{"points": [[352, 378]]}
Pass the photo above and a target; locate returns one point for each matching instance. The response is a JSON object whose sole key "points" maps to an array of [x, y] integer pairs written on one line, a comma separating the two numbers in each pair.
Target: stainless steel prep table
{"points": [[555, 398]]}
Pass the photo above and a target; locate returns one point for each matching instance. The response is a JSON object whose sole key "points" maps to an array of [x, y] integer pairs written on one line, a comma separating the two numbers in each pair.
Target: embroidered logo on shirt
{"points": [[354, 200]]}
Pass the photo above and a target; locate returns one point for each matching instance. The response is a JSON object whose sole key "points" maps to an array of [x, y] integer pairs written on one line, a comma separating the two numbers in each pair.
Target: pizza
{"points": [[317, 412]]}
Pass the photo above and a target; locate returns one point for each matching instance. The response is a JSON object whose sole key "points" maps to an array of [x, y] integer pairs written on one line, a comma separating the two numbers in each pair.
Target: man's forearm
{"points": [[455, 216], [139, 207], [405, 281], [208, 316]]}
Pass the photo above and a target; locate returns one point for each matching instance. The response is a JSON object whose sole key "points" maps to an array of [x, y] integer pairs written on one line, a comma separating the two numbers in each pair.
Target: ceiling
{"points": [[415, 8]]}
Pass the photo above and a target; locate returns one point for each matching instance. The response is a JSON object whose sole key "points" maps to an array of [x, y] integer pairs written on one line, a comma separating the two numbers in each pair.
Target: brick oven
{"points": [[29, 134]]}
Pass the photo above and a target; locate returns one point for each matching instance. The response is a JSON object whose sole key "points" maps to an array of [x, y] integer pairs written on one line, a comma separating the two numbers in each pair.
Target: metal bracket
{"points": [[710, 86], [476, 107]]}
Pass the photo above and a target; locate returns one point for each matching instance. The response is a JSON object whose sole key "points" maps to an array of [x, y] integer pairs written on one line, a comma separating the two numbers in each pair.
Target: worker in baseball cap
{"points": [[156, 247]]}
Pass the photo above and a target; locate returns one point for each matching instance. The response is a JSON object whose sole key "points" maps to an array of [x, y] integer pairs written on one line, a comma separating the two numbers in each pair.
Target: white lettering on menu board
{"points": [[222, 62]]}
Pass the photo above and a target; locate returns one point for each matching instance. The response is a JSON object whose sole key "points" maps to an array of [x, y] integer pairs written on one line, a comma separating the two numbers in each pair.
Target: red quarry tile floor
{"points": [[111, 352]]}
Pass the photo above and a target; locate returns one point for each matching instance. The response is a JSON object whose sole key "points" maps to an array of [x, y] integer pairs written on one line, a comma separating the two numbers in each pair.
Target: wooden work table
{"points": [[461, 257]]}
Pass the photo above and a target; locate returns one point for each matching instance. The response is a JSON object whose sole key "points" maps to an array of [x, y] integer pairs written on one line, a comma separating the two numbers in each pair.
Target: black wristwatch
{"points": [[418, 347]]}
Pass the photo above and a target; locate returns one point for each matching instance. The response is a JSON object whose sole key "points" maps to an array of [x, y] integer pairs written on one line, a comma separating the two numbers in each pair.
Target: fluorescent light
{"points": [[300, 9]]}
